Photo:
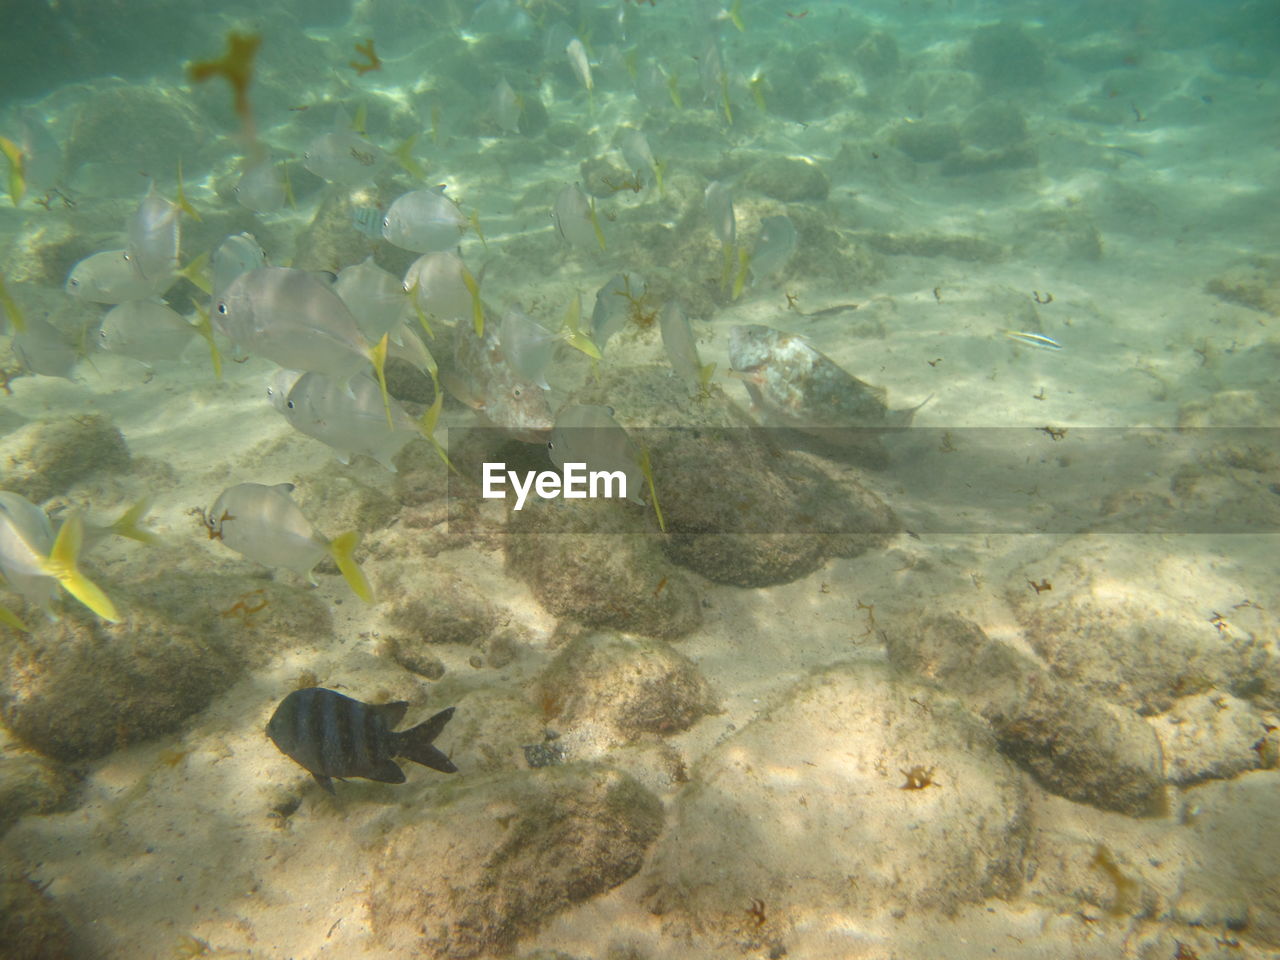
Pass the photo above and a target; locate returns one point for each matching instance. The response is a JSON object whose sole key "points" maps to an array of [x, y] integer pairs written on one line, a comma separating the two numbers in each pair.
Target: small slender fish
{"points": [[1033, 339]]}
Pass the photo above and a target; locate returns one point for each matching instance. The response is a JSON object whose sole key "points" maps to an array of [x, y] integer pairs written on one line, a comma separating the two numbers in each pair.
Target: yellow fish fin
{"points": [[128, 524], [474, 220], [477, 308], [11, 309], [404, 156], [205, 329], [673, 88], [412, 294], [740, 279], [183, 203], [647, 469], [429, 420], [580, 341], [735, 16], [342, 548], [62, 564], [197, 271], [11, 618], [17, 169], [362, 117], [595, 225], [378, 357]]}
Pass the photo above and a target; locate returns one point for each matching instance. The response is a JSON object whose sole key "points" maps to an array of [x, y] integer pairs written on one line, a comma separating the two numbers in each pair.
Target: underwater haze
{"points": [[646, 479]]}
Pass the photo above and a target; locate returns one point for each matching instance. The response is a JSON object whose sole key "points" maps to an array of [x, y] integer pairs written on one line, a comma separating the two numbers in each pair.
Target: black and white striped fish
{"points": [[332, 735]]}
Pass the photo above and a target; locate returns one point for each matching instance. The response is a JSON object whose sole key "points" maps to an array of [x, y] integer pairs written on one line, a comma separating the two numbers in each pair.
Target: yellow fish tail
{"points": [[595, 225], [647, 469], [197, 271], [7, 616], [11, 309], [62, 564], [740, 279], [429, 420], [412, 294], [205, 329], [378, 357], [477, 308], [474, 220], [342, 548], [129, 524], [580, 341], [17, 169], [404, 156], [184, 204], [735, 16]]}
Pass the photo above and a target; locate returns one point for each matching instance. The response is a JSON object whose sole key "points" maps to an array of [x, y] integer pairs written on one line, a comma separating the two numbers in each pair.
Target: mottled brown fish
{"points": [[476, 371], [332, 735], [792, 384]]}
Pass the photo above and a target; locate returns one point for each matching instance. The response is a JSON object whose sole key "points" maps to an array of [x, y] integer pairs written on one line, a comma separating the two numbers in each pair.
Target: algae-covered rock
{"points": [[492, 725], [927, 141], [1074, 744], [1212, 736], [1254, 283], [30, 784], [335, 499], [607, 573], [1006, 57], [534, 843], [46, 458], [631, 687], [80, 688], [877, 57], [31, 926], [43, 253], [453, 611], [1141, 649], [136, 127], [994, 124], [742, 511], [818, 790], [789, 179], [739, 509]]}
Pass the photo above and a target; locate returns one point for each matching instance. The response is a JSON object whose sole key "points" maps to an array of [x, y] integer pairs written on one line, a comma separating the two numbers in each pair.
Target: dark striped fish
{"points": [[335, 736]]}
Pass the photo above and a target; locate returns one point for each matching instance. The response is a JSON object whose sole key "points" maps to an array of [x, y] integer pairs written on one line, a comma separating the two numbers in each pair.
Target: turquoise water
{"points": [[934, 343]]}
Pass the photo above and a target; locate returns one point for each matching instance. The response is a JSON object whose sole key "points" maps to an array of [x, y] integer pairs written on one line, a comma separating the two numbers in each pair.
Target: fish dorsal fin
{"points": [[393, 713]]}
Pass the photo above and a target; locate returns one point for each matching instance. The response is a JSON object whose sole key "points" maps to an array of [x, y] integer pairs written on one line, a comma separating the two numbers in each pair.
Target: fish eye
{"points": [[517, 392], [74, 282], [289, 404], [102, 334], [386, 221], [551, 445], [222, 307]]}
